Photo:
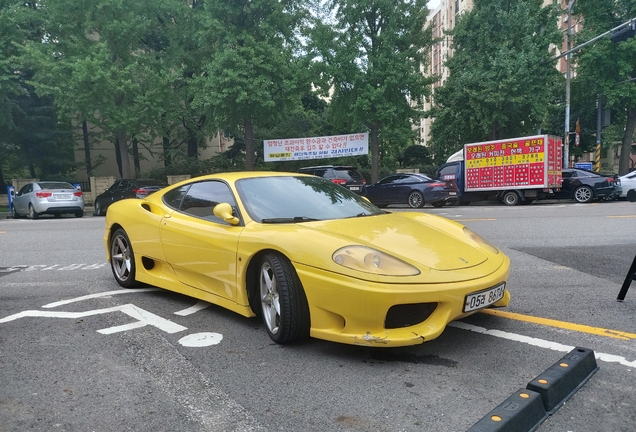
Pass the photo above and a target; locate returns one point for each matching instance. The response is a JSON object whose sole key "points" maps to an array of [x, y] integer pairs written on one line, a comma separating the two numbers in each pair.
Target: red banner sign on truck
{"points": [[520, 163]]}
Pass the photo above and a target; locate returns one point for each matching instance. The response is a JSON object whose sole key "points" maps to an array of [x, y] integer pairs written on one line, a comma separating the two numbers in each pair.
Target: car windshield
{"points": [[55, 185], [300, 199]]}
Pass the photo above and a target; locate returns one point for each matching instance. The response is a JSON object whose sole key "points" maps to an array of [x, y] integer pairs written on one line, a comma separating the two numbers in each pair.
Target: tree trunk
{"points": [[87, 149], [167, 157], [193, 147], [135, 149], [3, 184], [249, 144], [122, 148], [628, 138], [374, 136]]}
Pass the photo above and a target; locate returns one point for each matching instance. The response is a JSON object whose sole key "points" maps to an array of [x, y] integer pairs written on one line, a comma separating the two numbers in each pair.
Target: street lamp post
{"points": [[568, 78]]}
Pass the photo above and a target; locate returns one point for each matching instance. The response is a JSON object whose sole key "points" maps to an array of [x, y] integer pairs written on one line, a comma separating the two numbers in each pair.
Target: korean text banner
{"points": [[316, 147]]}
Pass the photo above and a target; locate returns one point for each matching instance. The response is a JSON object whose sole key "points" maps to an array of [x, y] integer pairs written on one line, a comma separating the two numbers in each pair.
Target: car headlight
{"points": [[369, 260], [478, 239]]}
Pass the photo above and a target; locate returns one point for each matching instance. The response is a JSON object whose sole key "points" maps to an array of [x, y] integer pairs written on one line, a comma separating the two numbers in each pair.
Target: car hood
{"points": [[429, 241]]}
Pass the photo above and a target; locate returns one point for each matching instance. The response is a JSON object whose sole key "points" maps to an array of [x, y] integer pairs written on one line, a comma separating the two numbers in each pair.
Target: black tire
{"points": [[438, 204], [583, 194], [416, 199], [631, 195], [279, 286], [79, 213], [122, 259], [98, 209], [510, 198], [32, 213], [14, 214]]}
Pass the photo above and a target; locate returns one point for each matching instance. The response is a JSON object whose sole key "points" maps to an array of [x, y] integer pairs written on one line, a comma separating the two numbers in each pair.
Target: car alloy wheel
{"points": [[122, 259], [416, 199], [98, 209], [283, 302], [583, 194]]}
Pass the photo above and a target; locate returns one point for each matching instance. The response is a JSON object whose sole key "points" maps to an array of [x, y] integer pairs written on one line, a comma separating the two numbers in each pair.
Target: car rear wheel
{"points": [[122, 259], [416, 199], [79, 213], [583, 194], [14, 214], [32, 213], [283, 300]]}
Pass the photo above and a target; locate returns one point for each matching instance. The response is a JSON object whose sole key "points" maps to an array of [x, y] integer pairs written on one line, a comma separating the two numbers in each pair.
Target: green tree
{"points": [[604, 68], [102, 62], [251, 78], [502, 82], [370, 60]]}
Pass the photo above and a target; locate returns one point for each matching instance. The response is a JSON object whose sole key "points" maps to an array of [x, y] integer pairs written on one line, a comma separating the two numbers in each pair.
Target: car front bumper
{"points": [[352, 311]]}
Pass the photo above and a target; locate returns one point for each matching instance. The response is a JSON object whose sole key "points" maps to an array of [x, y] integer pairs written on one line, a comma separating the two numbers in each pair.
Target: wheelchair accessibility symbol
{"points": [[140, 316]]}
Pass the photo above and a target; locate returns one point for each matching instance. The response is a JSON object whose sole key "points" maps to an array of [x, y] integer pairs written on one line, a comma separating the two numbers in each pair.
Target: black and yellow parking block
{"points": [[523, 411], [564, 378], [527, 408]]}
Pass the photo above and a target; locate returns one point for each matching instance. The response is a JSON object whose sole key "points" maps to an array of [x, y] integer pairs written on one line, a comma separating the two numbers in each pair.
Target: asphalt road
{"points": [[77, 353]]}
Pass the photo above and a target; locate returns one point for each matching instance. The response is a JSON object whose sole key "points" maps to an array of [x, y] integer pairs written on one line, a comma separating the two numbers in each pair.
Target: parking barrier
{"points": [[527, 408]]}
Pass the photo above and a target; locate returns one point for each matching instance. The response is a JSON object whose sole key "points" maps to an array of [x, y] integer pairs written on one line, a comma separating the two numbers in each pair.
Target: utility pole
{"points": [[568, 78]]}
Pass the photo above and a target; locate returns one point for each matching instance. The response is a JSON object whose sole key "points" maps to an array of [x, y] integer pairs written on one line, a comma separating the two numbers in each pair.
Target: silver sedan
{"points": [[48, 197]]}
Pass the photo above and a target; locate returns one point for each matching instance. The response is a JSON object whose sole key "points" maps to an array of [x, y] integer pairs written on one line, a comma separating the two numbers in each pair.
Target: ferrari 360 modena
{"points": [[310, 257]]}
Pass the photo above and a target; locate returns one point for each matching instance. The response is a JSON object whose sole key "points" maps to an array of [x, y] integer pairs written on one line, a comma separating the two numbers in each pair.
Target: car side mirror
{"points": [[224, 211]]}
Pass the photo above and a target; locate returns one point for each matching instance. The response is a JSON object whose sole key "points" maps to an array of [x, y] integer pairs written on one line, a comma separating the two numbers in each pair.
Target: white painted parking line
{"points": [[542, 343], [104, 294], [200, 305], [142, 316]]}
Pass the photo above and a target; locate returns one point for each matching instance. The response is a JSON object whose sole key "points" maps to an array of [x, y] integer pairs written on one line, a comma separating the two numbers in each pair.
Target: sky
{"points": [[432, 4]]}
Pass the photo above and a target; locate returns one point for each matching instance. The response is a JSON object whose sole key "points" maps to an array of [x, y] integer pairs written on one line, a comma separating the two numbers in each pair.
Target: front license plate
{"points": [[354, 188], [481, 299]]}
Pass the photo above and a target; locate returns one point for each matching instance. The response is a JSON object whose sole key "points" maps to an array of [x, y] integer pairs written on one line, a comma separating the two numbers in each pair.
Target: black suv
{"points": [[347, 176]]}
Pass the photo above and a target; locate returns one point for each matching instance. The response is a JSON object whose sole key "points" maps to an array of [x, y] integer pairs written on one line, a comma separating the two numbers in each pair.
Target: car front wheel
{"points": [[583, 194], [122, 259], [283, 301], [416, 199], [98, 209]]}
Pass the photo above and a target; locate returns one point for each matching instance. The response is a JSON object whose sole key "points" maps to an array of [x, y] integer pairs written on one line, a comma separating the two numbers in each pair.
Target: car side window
{"points": [[202, 197], [25, 189], [175, 196], [124, 185], [114, 186], [567, 174], [390, 180]]}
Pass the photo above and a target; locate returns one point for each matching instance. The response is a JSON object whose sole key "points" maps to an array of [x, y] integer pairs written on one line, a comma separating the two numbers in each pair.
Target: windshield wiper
{"points": [[295, 219]]}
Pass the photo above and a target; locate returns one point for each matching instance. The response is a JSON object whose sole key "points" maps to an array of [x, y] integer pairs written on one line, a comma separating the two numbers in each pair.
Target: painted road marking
{"points": [[475, 220], [104, 294], [562, 324], [142, 316], [198, 340], [200, 305], [43, 267], [541, 343], [627, 216]]}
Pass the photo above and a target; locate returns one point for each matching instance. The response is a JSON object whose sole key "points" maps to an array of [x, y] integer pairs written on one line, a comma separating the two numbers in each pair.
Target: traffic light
{"points": [[625, 33]]}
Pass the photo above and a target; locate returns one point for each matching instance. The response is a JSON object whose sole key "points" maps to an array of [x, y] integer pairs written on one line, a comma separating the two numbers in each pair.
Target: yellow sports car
{"points": [[308, 256]]}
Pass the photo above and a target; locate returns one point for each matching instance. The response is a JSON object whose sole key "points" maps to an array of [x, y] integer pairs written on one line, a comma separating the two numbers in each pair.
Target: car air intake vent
{"points": [[408, 314]]}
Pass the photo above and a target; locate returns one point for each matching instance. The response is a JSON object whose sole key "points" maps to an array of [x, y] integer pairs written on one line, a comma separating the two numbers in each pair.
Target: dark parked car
{"points": [[584, 186], [126, 188], [347, 176], [412, 189]]}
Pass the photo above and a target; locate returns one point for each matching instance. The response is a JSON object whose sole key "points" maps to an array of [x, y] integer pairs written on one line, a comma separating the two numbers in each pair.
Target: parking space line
{"points": [[598, 331], [541, 343]]}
